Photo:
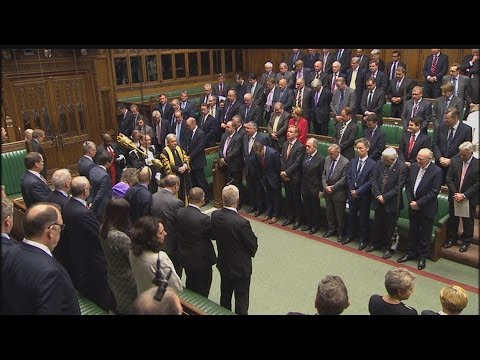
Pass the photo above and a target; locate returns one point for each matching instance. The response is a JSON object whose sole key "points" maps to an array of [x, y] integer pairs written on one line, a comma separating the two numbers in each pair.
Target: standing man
{"points": [[86, 163], [435, 68], [194, 235], [231, 155], [115, 170], [322, 98], [346, 131], [38, 136], [33, 184], [7, 225], [412, 141], [33, 282], [463, 185], [237, 245], [399, 91], [196, 152], [101, 182], [422, 187], [277, 126]]}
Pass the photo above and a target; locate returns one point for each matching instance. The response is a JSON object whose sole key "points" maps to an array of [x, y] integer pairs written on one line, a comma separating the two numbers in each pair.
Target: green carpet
{"points": [[289, 264]]}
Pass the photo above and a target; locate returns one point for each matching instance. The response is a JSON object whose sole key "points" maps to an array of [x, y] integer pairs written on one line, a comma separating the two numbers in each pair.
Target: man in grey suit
{"points": [[334, 179], [101, 183], [417, 106], [277, 126], [442, 103], [343, 96], [399, 91], [285, 74], [165, 205], [85, 163], [461, 84]]}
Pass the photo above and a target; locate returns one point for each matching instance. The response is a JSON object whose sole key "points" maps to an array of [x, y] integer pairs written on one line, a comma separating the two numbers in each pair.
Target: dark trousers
{"points": [[272, 199], [335, 215], [432, 90], [241, 288], [256, 193], [383, 224], [358, 217], [294, 201], [236, 176], [311, 210], [198, 179], [419, 234], [320, 128], [199, 279], [453, 221]]}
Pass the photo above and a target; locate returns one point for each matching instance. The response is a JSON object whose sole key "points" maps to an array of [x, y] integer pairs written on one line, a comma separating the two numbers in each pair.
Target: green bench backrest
{"points": [[442, 207], [430, 135], [323, 147], [387, 109], [393, 133], [208, 171], [88, 307], [203, 303], [331, 126], [13, 167]]}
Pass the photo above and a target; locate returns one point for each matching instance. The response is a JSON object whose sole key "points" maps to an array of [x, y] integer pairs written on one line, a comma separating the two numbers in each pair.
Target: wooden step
{"points": [[469, 257]]}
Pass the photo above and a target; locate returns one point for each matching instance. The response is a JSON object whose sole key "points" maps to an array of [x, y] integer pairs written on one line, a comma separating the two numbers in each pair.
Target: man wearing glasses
{"points": [[33, 282]]}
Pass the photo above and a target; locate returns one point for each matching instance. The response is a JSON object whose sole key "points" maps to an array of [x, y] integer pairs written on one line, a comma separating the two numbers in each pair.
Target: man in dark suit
{"points": [[62, 180], [345, 133], [86, 163], [161, 128], [187, 107], [277, 126], [388, 179], [417, 106], [461, 84], [118, 163], [318, 72], [270, 180], [256, 194], [359, 192], [217, 112], [101, 183], [448, 138], [372, 101], [86, 261], [399, 91], [236, 245], [392, 66], [293, 153], [164, 107], [33, 184], [7, 225], [303, 98], [343, 96], [294, 56], [470, 67], [165, 204], [127, 121], [249, 111], [139, 197], [343, 56], [230, 153], [412, 141], [194, 235], [334, 179], [33, 283], [221, 89], [268, 74], [355, 80], [311, 58], [435, 68], [321, 100], [196, 152], [376, 137], [232, 107], [38, 137], [312, 169], [442, 103], [377, 73], [256, 89], [364, 59], [463, 184], [284, 94], [422, 187], [208, 125]]}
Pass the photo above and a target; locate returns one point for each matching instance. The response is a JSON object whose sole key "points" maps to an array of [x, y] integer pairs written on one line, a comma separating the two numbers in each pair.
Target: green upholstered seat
{"points": [[387, 109], [323, 147], [393, 133], [331, 126], [204, 304], [208, 170], [13, 167], [88, 307]]}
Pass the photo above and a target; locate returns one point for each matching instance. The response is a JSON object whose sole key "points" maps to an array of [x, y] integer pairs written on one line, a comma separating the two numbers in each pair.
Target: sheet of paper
{"points": [[222, 98], [462, 208]]}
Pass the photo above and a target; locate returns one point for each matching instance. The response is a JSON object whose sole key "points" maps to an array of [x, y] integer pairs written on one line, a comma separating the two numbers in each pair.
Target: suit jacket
{"points": [[7, 243], [440, 148], [255, 114], [338, 178], [37, 147], [389, 182], [34, 283], [293, 164], [231, 111], [427, 190], [167, 112], [209, 127], [265, 77], [388, 70], [251, 160], [101, 192], [344, 59], [216, 90], [34, 190], [360, 181], [293, 57], [364, 63], [236, 243], [86, 261], [281, 127], [471, 70], [241, 89], [321, 110], [424, 111], [184, 129], [349, 100], [310, 59], [289, 76], [234, 158], [127, 125], [188, 109], [463, 88], [84, 166], [61, 250], [377, 142], [140, 199], [471, 181], [404, 91], [381, 78], [257, 95], [270, 171], [422, 141], [359, 82], [441, 69], [194, 233], [438, 110], [348, 139], [376, 104], [196, 149], [286, 98], [307, 102], [312, 174], [328, 61]]}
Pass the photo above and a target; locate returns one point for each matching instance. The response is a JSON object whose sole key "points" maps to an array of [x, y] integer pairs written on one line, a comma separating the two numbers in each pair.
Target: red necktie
{"points": [[433, 69], [289, 150], [113, 169], [411, 145]]}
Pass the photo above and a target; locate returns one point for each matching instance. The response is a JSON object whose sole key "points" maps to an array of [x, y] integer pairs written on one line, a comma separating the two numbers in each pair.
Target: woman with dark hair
{"points": [[115, 242], [147, 261]]}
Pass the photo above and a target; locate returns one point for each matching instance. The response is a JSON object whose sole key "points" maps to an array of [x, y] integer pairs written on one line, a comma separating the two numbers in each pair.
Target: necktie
{"points": [[250, 144], [246, 112], [398, 85], [174, 119], [340, 103], [359, 166], [316, 98], [445, 108], [454, 82], [449, 140], [228, 110], [275, 123], [415, 109], [317, 76], [334, 82], [225, 146], [159, 131], [309, 158], [369, 100], [342, 129], [330, 171], [372, 74], [299, 97], [464, 171], [420, 174], [281, 94], [340, 52], [411, 144], [43, 179], [370, 135], [289, 149], [433, 69], [392, 71], [178, 130], [220, 89], [353, 81]]}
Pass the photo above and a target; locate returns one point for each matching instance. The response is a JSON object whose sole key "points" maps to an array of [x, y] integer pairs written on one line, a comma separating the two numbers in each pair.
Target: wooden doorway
{"points": [[60, 104]]}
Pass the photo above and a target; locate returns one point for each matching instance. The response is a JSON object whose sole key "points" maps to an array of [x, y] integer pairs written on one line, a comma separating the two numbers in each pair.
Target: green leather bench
{"points": [[387, 109], [212, 154], [13, 167], [393, 133], [194, 303], [88, 307]]}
